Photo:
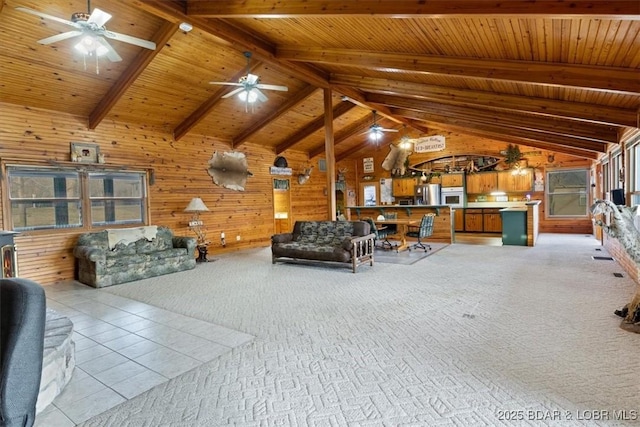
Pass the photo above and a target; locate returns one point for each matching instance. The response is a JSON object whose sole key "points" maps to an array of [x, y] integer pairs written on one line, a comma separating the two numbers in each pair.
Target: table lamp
{"points": [[196, 205]]}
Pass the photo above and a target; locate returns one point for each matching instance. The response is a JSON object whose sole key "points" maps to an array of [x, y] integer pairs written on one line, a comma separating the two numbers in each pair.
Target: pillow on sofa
{"points": [[308, 232]]}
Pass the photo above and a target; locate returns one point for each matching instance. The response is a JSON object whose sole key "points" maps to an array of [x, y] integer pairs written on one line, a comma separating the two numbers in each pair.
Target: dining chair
{"points": [[423, 231], [381, 234]]}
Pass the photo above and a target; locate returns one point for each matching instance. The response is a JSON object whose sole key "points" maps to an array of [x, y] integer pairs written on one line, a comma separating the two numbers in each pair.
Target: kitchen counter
{"points": [[495, 204]]}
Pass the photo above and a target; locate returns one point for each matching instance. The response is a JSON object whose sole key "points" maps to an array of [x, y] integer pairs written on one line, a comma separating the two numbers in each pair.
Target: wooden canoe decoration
{"points": [[229, 170]]}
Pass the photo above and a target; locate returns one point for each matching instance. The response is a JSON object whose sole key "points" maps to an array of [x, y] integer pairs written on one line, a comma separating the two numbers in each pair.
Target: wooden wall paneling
{"points": [[180, 173]]}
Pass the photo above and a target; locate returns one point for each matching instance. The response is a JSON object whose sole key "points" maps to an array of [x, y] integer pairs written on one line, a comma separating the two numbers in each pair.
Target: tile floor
{"points": [[125, 347]]}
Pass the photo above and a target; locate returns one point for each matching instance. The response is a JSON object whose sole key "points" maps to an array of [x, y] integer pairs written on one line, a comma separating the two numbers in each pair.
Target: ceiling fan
{"points": [[375, 130], [90, 28], [249, 86]]}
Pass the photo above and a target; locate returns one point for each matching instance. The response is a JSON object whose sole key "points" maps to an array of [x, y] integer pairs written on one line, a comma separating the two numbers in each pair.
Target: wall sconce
{"points": [[195, 206]]}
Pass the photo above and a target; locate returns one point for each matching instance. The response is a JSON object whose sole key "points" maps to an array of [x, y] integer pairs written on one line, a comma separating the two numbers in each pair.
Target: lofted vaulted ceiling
{"points": [[555, 74]]}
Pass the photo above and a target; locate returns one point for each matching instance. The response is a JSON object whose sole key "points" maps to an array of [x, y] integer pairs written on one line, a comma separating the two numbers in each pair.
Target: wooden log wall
{"points": [[461, 144], [180, 173]]}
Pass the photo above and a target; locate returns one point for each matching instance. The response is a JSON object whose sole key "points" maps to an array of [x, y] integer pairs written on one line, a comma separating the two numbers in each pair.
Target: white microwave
{"points": [[453, 196]]}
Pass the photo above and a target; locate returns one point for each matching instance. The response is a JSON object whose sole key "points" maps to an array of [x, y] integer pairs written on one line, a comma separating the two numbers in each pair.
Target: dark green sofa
{"points": [[334, 242], [134, 254]]}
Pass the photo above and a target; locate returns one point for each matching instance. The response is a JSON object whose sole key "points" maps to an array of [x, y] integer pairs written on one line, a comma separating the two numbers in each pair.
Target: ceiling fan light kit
{"points": [[376, 131], [90, 27], [249, 86]]}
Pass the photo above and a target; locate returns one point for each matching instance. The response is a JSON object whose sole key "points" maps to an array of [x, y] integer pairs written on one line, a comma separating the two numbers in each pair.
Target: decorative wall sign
{"points": [[280, 171], [429, 143], [84, 153], [367, 164], [229, 170]]}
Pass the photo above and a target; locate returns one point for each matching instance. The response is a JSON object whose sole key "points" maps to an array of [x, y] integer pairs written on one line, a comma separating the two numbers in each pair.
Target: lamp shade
{"points": [[196, 205]]}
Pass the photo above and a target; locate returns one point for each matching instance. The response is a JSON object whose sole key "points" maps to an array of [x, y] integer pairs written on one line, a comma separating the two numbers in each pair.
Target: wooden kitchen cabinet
{"points": [[452, 180], [492, 221], [483, 182], [520, 182], [473, 220], [403, 187], [458, 218]]}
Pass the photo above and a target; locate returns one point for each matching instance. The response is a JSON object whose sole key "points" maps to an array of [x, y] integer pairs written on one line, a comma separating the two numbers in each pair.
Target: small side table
{"points": [[202, 253]]}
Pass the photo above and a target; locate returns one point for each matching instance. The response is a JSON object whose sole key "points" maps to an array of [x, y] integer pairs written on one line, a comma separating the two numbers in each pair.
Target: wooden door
{"points": [[369, 194], [282, 206]]}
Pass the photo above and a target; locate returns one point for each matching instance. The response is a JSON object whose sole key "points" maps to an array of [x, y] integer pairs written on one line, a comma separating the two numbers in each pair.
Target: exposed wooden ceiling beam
{"points": [[204, 108], [511, 140], [298, 97], [354, 129], [543, 106], [621, 80], [162, 36], [239, 38], [407, 8], [590, 131], [365, 145], [312, 127], [523, 134]]}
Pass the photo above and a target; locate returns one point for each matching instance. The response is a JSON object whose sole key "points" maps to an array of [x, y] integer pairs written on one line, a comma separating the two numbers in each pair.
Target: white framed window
{"points": [[45, 198], [633, 168], [567, 193]]}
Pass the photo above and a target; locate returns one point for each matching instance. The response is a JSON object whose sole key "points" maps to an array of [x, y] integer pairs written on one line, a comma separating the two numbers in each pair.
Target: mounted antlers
{"points": [[304, 177]]}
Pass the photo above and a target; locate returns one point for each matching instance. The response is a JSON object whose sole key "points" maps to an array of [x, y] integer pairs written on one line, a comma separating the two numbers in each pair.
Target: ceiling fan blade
{"points": [[130, 39], [226, 83], [272, 87], [111, 52], [261, 96], [233, 92], [98, 17], [389, 130], [60, 37], [44, 15]]}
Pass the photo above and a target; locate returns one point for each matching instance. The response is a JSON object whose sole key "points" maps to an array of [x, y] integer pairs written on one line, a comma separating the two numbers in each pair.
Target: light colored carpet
{"points": [[457, 339], [407, 257]]}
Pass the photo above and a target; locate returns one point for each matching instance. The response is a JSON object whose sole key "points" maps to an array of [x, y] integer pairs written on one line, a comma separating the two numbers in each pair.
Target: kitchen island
{"points": [[489, 217], [442, 224]]}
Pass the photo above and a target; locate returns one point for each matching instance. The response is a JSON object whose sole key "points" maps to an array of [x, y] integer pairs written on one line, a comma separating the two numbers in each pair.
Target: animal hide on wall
{"points": [[395, 161], [229, 170]]}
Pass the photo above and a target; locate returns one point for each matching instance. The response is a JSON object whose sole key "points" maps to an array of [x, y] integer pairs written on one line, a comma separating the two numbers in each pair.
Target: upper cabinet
{"points": [[482, 182], [511, 182], [403, 187], [452, 180]]}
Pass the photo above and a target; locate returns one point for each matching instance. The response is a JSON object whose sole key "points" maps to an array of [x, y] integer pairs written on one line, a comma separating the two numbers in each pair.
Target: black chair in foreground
{"points": [[381, 235], [425, 230], [23, 312]]}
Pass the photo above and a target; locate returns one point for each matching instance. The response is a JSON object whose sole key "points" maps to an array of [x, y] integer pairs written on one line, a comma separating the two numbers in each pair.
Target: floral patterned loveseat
{"points": [[326, 241], [115, 256]]}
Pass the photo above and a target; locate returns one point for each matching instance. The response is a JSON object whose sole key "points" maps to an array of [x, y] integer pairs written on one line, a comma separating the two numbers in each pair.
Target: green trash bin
{"points": [[514, 226]]}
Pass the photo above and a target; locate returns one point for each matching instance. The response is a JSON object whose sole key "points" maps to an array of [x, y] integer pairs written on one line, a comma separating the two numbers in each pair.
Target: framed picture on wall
{"points": [[84, 153], [367, 165]]}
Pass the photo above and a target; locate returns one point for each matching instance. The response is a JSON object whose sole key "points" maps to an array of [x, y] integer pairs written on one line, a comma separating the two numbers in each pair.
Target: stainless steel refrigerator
{"points": [[427, 194]]}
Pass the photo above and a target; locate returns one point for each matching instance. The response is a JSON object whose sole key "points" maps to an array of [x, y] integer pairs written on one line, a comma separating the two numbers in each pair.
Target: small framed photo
{"points": [[84, 153]]}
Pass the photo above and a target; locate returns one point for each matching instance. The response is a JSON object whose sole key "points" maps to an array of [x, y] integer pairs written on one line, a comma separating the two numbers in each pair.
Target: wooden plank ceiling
{"points": [[562, 76]]}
